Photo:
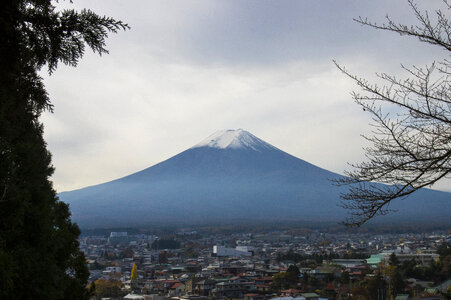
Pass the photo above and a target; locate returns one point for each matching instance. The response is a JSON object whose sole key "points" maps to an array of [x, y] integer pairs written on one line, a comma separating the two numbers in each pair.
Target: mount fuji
{"points": [[231, 175]]}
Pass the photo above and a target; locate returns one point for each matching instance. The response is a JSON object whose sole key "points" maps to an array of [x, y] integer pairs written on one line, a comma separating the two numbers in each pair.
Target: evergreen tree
{"points": [[397, 283], [305, 279], [279, 281], [393, 260], [39, 253], [444, 250], [293, 274], [377, 287]]}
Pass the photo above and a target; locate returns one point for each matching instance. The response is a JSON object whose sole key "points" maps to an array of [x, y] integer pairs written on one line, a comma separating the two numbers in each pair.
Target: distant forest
{"points": [[291, 228]]}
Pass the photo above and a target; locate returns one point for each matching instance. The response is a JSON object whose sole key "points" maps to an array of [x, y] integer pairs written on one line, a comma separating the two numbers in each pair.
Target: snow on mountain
{"points": [[231, 175], [233, 139]]}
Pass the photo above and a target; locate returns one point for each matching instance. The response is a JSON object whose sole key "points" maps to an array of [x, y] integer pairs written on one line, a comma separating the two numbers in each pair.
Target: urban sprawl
{"points": [[290, 264]]}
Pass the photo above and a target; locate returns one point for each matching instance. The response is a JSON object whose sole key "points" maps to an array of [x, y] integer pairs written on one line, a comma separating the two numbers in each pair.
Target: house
{"points": [[204, 287], [232, 289], [322, 272], [251, 296], [111, 271], [118, 238], [290, 293], [310, 296], [443, 287], [134, 297], [190, 284], [176, 289], [348, 263], [374, 260]]}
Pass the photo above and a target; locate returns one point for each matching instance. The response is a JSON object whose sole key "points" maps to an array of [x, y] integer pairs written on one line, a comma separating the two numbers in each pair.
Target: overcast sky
{"points": [[189, 68]]}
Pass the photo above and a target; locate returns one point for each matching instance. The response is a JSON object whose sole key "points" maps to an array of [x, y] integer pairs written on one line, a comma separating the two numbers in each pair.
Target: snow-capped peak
{"points": [[234, 139]]}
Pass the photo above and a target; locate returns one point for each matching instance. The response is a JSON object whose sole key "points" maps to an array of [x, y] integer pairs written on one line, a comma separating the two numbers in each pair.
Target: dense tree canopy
{"points": [[39, 254], [165, 244]]}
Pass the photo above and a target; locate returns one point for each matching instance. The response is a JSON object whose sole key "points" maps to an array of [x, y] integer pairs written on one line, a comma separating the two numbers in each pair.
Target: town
{"points": [[277, 264]]}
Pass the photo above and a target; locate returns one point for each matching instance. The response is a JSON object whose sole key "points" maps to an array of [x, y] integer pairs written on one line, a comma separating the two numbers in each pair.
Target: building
{"points": [[224, 251]]}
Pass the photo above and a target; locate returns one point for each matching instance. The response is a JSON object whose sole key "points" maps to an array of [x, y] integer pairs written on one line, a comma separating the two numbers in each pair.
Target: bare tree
{"points": [[411, 138]]}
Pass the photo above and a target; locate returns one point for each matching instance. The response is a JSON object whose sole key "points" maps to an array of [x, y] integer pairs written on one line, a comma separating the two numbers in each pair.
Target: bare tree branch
{"points": [[411, 138]]}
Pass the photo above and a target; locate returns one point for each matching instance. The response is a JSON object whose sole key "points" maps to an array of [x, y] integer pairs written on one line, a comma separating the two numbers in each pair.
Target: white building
{"points": [[224, 251]]}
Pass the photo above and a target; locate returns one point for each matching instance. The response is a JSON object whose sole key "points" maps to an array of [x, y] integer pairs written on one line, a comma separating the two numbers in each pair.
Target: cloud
{"points": [[121, 122], [187, 69]]}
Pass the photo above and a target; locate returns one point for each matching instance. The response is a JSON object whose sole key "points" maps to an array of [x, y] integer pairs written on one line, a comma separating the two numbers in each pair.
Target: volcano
{"points": [[231, 175]]}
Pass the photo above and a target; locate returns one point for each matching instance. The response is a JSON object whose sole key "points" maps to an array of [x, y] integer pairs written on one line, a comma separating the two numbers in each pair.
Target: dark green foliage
{"points": [[377, 287], [39, 254], [446, 295], [446, 266], [393, 260], [292, 275], [412, 269], [296, 257], [127, 252], [355, 255], [345, 279], [305, 279], [288, 279], [104, 288], [165, 244], [397, 283], [279, 282], [444, 250], [436, 271]]}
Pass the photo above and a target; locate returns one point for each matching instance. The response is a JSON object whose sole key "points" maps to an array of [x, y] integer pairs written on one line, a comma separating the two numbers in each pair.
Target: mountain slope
{"points": [[230, 175]]}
